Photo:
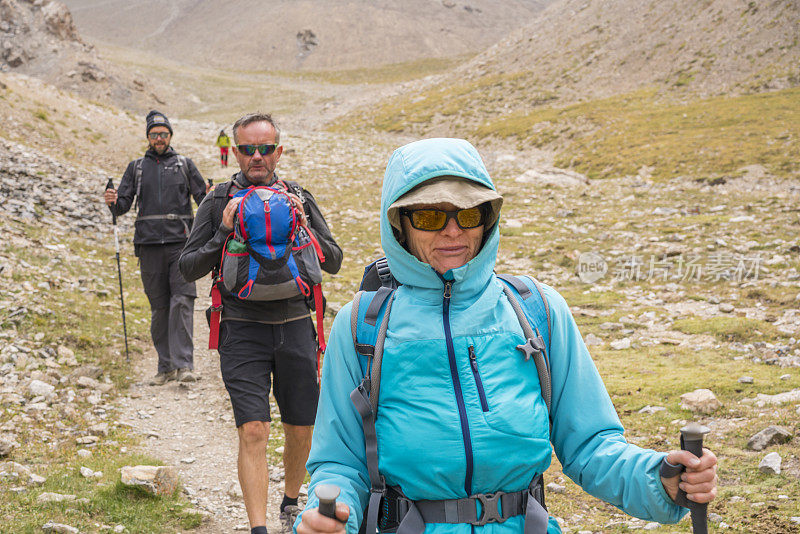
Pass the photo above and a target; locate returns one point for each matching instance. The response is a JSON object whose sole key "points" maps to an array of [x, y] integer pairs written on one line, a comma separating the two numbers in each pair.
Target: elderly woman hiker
{"points": [[444, 422]]}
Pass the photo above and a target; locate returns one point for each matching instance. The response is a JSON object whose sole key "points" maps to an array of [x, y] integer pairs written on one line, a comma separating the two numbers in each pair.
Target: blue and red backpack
{"points": [[269, 256]]}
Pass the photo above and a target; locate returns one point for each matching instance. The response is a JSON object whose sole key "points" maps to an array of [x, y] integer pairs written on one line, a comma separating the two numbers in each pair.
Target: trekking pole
{"points": [[327, 493], [110, 185], [692, 441]]}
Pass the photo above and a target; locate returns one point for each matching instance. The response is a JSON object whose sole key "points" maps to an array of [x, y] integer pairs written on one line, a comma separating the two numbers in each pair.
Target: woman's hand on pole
{"points": [[699, 481], [312, 522]]}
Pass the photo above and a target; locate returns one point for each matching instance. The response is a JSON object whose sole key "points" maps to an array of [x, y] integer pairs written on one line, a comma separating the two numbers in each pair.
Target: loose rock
{"points": [[771, 464], [60, 528], [54, 497], [38, 388], [772, 435], [158, 480], [621, 344], [700, 401]]}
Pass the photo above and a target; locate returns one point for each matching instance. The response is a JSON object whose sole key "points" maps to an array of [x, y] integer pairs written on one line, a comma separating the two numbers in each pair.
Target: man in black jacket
{"points": [[162, 184], [267, 339]]}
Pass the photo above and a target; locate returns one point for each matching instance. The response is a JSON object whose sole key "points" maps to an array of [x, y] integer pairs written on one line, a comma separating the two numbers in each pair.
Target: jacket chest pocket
{"points": [[173, 177], [508, 388]]}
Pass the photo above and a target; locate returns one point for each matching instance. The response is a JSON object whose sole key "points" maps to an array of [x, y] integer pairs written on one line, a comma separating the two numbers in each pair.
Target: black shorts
{"points": [[251, 354]]}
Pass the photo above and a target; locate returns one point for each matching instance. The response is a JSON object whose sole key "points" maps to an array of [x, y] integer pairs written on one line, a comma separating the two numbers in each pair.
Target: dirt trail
{"points": [[191, 426]]}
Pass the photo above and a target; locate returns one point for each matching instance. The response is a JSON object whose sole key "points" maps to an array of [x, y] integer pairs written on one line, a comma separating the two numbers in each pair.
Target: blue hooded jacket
{"points": [[447, 430]]}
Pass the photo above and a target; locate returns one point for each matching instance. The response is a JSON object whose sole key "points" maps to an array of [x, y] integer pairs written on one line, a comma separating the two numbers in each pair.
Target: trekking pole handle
{"points": [[327, 494], [110, 185], [692, 441]]}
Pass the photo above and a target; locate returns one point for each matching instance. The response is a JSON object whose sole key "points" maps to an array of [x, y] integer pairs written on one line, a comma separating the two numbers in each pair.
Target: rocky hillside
{"points": [[307, 34], [579, 50], [604, 48], [40, 39]]}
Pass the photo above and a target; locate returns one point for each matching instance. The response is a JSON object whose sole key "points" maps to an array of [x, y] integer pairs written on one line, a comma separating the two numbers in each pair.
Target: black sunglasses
{"points": [[156, 135], [433, 220], [264, 150]]}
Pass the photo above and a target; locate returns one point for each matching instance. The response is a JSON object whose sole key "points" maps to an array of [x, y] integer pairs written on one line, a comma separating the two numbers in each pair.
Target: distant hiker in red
{"points": [[224, 143]]}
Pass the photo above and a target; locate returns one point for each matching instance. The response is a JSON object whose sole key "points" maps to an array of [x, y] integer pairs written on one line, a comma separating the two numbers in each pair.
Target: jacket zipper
{"points": [[161, 198], [462, 409], [473, 362]]}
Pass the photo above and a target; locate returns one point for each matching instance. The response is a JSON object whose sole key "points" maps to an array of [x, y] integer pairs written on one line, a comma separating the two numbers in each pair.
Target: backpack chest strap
{"points": [[410, 517]]}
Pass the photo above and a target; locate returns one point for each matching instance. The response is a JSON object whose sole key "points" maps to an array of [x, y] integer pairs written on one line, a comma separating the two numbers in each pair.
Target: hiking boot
{"points": [[186, 375], [162, 378], [288, 517]]}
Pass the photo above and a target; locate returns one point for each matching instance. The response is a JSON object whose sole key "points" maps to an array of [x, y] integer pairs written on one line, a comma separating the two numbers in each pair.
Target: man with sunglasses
{"points": [[162, 185], [263, 341]]}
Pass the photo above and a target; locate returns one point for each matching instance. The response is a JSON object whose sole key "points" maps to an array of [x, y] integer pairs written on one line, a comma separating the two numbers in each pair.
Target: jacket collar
{"points": [[242, 182], [152, 154]]}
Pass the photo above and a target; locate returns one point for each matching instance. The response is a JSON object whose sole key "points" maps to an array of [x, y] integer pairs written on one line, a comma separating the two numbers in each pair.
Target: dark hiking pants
{"points": [[171, 305]]}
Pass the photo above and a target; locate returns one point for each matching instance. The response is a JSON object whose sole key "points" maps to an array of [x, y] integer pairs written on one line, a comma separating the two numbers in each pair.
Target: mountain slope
{"points": [[585, 74], [307, 34], [40, 40]]}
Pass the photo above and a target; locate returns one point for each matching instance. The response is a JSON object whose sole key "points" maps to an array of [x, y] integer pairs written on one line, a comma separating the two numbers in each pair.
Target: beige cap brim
{"points": [[461, 192]]}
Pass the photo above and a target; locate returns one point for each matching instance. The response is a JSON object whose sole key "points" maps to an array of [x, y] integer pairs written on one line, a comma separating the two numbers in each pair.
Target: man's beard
{"points": [[159, 149]]}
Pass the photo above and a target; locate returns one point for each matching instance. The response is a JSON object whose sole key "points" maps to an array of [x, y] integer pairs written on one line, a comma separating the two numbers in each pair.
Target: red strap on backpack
{"points": [[320, 327], [216, 311], [315, 242]]}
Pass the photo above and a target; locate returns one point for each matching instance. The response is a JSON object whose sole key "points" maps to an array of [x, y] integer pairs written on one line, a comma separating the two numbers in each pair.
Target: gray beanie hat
{"points": [[156, 118]]}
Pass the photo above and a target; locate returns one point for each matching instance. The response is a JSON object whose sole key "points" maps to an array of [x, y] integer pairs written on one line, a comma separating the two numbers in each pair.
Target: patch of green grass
{"points": [[739, 329], [709, 137], [41, 115], [102, 500], [394, 73], [79, 311]]}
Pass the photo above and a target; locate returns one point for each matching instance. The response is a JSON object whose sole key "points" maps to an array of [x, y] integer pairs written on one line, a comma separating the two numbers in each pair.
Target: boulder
{"points": [[552, 176], [7, 446], [621, 344], [771, 464], [773, 435], [38, 388], [592, 340], [700, 401], [92, 371], [158, 480], [54, 497], [58, 21], [60, 528]]}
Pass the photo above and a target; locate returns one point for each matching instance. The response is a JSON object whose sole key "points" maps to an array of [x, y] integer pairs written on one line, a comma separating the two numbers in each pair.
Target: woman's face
{"points": [[444, 249]]}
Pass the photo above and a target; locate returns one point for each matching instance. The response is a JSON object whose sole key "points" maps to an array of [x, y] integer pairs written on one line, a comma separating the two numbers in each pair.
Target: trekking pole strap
{"points": [[321, 345], [411, 516], [216, 312]]}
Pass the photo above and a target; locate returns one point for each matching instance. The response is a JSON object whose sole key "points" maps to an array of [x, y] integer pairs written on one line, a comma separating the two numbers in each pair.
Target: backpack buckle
{"points": [[531, 347], [491, 512]]}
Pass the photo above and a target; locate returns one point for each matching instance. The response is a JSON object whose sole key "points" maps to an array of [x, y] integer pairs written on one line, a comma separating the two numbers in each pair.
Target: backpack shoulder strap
{"points": [[368, 340], [184, 166], [295, 188], [376, 275], [220, 197], [137, 179], [533, 315], [369, 319]]}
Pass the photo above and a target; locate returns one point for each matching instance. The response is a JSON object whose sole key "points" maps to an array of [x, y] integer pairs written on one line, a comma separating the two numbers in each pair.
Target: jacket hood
{"points": [[411, 165]]}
